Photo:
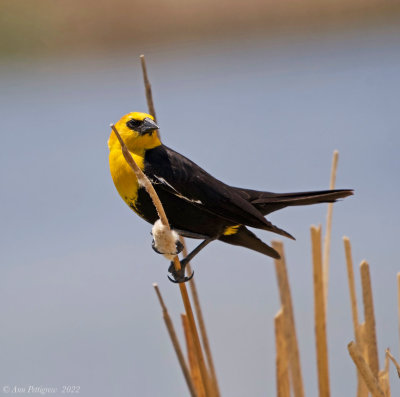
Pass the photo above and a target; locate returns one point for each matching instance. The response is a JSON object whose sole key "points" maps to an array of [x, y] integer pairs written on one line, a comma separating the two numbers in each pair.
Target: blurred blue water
{"points": [[76, 268]]}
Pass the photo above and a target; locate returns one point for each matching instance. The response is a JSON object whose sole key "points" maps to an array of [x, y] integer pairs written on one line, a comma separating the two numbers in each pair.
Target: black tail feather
{"points": [[267, 202]]}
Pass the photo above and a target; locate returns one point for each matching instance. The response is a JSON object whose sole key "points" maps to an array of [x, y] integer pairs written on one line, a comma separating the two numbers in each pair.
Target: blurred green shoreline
{"points": [[45, 27]]}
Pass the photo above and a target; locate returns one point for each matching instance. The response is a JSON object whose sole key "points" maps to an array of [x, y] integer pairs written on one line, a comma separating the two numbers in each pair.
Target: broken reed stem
{"points": [[319, 314], [289, 323], [361, 388], [202, 326], [369, 316], [144, 181], [365, 371], [192, 358], [175, 342], [147, 86], [352, 288], [282, 362], [398, 300], [327, 239], [394, 361], [383, 378]]}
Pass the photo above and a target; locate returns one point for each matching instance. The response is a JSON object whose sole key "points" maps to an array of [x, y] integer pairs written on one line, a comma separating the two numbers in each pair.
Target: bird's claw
{"points": [[179, 276]]}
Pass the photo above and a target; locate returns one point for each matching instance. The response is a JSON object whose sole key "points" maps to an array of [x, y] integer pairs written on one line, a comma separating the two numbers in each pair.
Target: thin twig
{"points": [[147, 85], [319, 313], [282, 362], [175, 342], [327, 239], [365, 371], [369, 316], [289, 323], [202, 326]]}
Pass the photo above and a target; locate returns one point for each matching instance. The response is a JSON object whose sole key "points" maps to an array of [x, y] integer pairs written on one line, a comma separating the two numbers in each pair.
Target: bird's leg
{"points": [[179, 275]]}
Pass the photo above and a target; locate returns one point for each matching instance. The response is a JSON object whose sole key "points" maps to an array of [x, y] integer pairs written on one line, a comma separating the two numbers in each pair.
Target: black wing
{"points": [[182, 177]]}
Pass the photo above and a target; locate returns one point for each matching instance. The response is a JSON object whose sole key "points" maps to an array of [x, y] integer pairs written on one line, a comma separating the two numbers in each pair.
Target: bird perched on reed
{"points": [[197, 204]]}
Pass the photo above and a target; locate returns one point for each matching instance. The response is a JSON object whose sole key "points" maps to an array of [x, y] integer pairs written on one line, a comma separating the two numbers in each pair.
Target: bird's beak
{"points": [[148, 126]]}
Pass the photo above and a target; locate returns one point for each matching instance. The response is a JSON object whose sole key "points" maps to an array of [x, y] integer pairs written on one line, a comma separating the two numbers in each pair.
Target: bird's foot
{"points": [[178, 276]]}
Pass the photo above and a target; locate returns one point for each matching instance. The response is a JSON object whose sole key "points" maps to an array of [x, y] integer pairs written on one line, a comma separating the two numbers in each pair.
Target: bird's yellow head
{"points": [[138, 130]]}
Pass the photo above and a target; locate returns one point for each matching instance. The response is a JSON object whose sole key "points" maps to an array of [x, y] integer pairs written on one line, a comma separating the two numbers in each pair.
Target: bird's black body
{"points": [[200, 206]]}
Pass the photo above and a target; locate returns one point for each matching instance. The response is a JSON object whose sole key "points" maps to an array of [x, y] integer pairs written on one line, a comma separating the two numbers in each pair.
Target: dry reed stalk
{"points": [[365, 371], [398, 300], [319, 314], [383, 378], [147, 86], [175, 343], [177, 265], [192, 358], [327, 239], [202, 326], [362, 390], [352, 288], [289, 323], [282, 362], [396, 364], [144, 181], [369, 316], [361, 387]]}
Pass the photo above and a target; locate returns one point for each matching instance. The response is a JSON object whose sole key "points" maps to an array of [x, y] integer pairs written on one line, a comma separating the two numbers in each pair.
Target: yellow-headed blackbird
{"points": [[197, 204]]}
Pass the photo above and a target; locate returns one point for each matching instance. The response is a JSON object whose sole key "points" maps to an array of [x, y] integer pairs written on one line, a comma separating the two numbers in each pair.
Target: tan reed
{"points": [[327, 239], [369, 316], [175, 343], [319, 314], [281, 360], [202, 326], [192, 358], [365, 371], [394, 361], [362, 390], [289, 323]]}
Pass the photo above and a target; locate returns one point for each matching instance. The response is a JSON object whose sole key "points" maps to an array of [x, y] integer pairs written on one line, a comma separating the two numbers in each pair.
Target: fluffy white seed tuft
{"points": [[165, 240]]}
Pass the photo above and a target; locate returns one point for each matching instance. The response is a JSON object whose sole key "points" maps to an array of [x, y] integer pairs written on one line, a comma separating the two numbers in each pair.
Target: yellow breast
{"points": [[124, 178]]}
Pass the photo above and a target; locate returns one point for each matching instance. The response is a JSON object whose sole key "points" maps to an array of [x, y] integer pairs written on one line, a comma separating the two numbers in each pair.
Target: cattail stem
{"points": [[175, 342], [319, 314], [202, 326], [192, 358], [369, 316], [327, 239], [147, 86], [289, 323], [282, 362], [365, 371]]}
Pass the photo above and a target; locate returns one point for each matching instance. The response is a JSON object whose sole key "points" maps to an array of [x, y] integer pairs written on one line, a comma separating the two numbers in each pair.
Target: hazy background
{"points": [[259, 94]]}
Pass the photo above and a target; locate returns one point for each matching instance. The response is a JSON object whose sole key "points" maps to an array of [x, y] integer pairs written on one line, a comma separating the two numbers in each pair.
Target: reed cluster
{"points": [[198, 366]]}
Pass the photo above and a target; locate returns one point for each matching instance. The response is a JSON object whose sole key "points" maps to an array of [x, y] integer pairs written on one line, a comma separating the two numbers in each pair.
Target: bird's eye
{"points": [[133, 124]]}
